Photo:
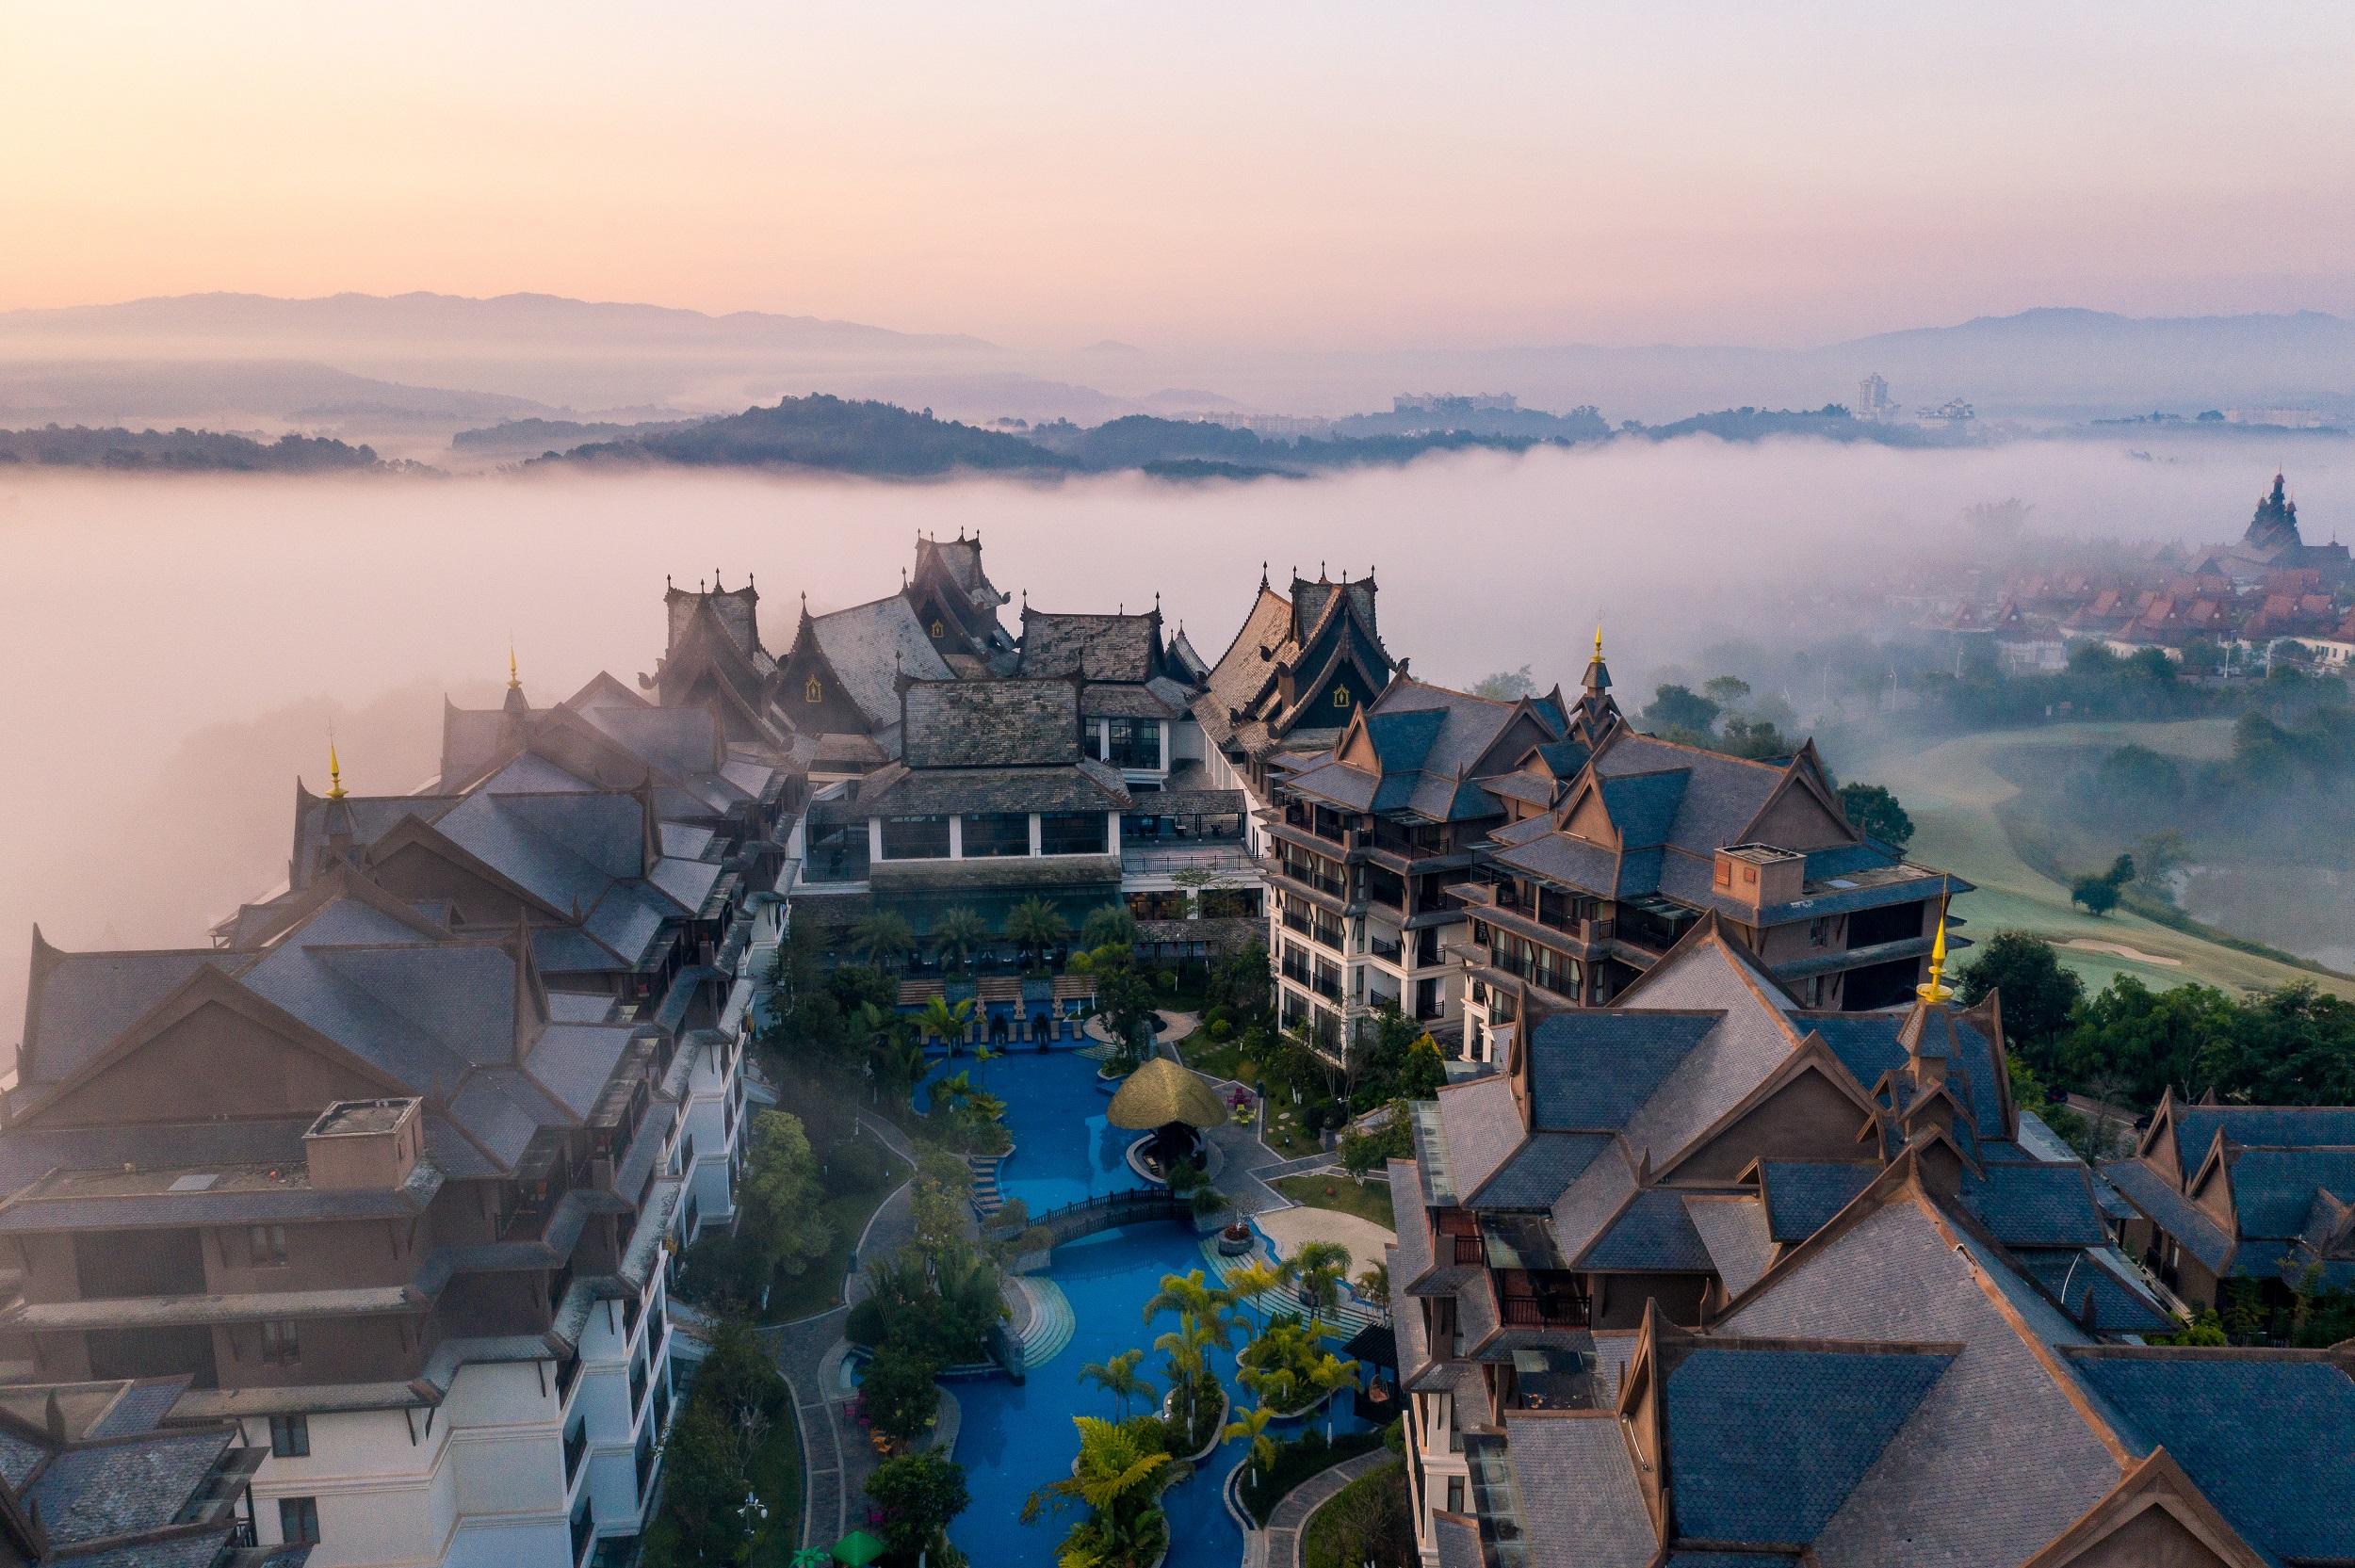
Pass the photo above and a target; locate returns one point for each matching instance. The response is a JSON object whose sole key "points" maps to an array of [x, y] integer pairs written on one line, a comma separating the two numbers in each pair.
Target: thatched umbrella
{"points": [[1171, 1103]]}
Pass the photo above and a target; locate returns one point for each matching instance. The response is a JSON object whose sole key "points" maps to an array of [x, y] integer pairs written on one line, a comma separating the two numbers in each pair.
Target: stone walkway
{"points": [[1290, 1521], [835, 1456]]}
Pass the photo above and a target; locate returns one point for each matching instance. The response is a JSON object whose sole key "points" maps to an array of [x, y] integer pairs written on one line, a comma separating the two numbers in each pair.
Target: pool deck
{"points": [[1291, 1228]]}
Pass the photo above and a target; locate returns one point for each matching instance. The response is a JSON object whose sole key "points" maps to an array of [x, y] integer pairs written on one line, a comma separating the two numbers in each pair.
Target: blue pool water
{"points": [[1063, 1148], [1017, 1437]]}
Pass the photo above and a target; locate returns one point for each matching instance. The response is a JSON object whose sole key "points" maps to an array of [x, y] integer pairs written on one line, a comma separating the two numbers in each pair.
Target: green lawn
{"points": [[776, 1478], [1954, 790], [1372, 1508], [819, 1287], [1366, 1200]]}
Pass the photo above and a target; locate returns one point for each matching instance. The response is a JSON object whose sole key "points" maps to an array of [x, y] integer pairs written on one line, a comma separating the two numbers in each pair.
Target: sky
{"points": [[1211, 175]]}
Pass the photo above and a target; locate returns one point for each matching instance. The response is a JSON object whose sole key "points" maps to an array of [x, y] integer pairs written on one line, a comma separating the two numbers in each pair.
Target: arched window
{"points": [[939, 630], [1340, 696], [813, 691]]}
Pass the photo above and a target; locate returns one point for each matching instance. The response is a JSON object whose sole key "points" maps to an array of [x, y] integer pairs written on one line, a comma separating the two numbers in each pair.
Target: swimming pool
{"points": [[1016, 1437]]}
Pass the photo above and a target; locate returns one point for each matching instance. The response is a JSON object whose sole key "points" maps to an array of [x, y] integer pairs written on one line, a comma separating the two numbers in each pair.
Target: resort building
{"points": [[369, 1184], [90, 1475], [1367, 837], [1620, 842], [1712, 1272], [2264, 1195], [1291, 681]]}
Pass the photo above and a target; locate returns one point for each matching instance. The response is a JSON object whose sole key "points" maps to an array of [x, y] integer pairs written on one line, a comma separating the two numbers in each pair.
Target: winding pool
{"points": [[1016, 1437]]}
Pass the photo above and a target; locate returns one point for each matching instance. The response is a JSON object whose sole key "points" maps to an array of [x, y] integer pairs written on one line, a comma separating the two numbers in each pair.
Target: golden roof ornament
{"points": [[334, 774], [1934, 991]]}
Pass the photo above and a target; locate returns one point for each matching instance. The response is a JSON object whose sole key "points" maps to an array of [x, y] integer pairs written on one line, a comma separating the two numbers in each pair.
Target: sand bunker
{"points": [[2119, 949]]}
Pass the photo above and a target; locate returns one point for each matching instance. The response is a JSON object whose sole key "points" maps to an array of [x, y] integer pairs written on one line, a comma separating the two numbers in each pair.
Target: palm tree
{"points": [[883, 937], [1196, 1303], [1034, 926], [1252, 1424], [1188, 1348], [1107, 926], [1375, 1286], [1321, 1266], [1251, 1281], [1329, 1376], [959, 931], [946, 1021], [1120, 1378], [1278, 1387]]}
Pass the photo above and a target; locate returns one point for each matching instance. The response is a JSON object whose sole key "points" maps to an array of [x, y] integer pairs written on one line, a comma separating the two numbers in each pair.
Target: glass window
{"points": [[916, 837], [281, 1344], [1134, 742], [290, 1436], [265, 1245], [298, 1521], [1071, 832], [989, 834]]}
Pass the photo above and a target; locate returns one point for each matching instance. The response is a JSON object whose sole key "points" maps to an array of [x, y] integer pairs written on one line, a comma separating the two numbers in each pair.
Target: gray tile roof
{"points": [[2273, 1189], [2036, 1204], [871, 645], [82, 1001], [2260, 1126], [992, 723], [1575, 1482], [2121, 1304], [1766, 1446], [2268, 1440], [1803, 1195], [1483, 1128], [898, 791], [1653, 1233], [1123, 648], [1534, 1174], [88, 1493], [1596, 1069], [2191, 1226], [1734, 1233]]}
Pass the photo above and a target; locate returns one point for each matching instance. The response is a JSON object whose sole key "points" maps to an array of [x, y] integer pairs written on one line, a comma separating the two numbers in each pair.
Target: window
{"points": [[993, 833], [1455, 1493], [1071, 832], [266, 1246], [1725, 874], [916, 838], [1819, 931], [1133, 742], [813, 691], [939, 630], [298, 1521], [281, 1345], [1340, 696], [290, 1436]]}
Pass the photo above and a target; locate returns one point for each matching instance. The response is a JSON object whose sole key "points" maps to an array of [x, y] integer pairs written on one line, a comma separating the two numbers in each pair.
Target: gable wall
{"points": [[416, 873], [2154, 1539], [1798, 821], [1806, 1118], [213, 1063]]}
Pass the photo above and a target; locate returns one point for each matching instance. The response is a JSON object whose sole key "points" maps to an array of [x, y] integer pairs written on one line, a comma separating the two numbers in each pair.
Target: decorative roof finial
{"points": [[514, 681], [1936, 991], [334, 773], [1598, 640], [1263, 573]]}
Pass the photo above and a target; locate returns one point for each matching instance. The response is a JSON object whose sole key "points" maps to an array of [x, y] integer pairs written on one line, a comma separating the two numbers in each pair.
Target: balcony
{"points": [[576, 1450], [1543, 1312], [1384, 948]]}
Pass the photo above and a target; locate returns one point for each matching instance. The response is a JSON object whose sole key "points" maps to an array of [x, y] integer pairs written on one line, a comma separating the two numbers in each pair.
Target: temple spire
{"points": [[1936, 990], [334, 773], [514, 680]]}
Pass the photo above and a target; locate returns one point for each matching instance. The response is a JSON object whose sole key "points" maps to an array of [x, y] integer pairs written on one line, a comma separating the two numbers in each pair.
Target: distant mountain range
{"points": [[536, 355]]}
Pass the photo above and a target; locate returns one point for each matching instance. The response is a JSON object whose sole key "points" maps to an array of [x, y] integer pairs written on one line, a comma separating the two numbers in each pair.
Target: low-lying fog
{"points": [[180, 647]]}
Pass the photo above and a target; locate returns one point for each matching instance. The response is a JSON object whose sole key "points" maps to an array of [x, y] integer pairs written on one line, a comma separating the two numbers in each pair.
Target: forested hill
{"points": [[180, 451], [822, 432]]}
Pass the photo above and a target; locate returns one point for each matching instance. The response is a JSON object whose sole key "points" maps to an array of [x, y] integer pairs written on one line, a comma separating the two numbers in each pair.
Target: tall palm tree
{"points": [[946, 1021], [959, 932], [1330, 1375], [1253, 1424], [1196, 1303], [1034, 926], [1322, 1265], [1373, 1284], [1251, 1281], [883, 937], [1109, 925], [1188, 1348], [1120, 1378]]}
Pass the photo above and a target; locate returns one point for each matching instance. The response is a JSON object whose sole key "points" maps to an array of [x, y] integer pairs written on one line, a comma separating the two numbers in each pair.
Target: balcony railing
{"points": [[575, 1449], [1525, 1312], [1382, 948]]}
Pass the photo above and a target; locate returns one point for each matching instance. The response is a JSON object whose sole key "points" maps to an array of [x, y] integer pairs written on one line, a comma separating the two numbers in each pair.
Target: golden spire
{"points": [[1936, 991], [515, 682], [1598, 640], [334, 774]]}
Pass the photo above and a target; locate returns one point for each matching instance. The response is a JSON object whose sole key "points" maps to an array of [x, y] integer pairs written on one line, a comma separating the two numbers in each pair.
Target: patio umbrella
{"points": [[857, 1550], [1161, 1093]]}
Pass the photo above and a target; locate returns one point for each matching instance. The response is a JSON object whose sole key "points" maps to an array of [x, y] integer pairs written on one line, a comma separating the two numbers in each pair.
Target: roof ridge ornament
{"points": [[334, 772], [1936, 991], [514, 681]]}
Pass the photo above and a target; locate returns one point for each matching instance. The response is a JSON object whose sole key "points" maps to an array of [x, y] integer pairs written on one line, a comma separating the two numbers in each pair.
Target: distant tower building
{"points": [[1871, 398]]}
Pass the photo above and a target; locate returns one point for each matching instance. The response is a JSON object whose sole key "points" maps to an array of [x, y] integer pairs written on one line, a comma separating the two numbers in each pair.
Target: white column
{"points": [[874, 839], [1103, 740], [1164, 729], [1111, 830], [956, 837], [1036, 849]]}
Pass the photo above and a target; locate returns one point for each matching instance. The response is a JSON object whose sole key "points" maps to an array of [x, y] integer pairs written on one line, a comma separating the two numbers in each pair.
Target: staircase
{"points": [[1051, 1324], [987, 1200], [1350, 1317]]}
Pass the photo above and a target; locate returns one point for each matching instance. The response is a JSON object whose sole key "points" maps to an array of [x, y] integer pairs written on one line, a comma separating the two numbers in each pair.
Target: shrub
{"points": [[897, 1390]]}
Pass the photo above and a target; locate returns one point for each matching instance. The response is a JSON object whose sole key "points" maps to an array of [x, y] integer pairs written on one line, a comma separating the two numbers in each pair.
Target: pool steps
{"points": [[1052, 1321], [987, 1200]]}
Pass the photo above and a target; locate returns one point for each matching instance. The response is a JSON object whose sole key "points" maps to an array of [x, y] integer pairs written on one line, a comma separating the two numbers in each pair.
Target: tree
{"points": [[1120, 1378], [1109, 925], [703, 1517], [2038, 993], [1373, 1286], [946, 1021], [1253, 1281], [1121, 1472], [1321, 1266], [2099, 895], [919, 1495], [1034, 926], [1506, 686], [1125, 996], [883, 937], [897, 1390], [1682, 710], [1252, 1424], [779, 1203], [1728, 691], [1874, 810], [958, 934]]}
